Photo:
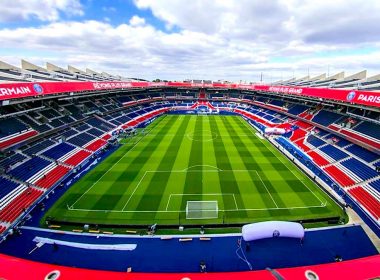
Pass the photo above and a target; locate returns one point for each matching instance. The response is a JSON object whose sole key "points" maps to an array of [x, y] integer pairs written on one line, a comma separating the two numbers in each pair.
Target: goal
{"points": [[202, 209]]}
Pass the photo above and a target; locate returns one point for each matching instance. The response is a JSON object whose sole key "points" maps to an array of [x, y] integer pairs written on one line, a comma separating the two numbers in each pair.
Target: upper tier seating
{"points": [[297, 109], [11, 126], [368, 128], [326, 118]]}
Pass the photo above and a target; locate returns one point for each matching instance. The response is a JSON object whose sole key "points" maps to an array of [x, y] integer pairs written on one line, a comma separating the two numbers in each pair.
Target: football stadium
{"points": [[108, 177]]}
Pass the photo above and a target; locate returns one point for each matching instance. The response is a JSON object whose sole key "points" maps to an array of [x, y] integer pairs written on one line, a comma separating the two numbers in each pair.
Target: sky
{"points": [[234, 40]]}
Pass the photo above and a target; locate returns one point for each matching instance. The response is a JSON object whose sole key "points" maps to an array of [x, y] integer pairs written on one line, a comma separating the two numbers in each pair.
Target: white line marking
{"points": [[167, 205], [267, 189], [142, 178], [233, 195]]}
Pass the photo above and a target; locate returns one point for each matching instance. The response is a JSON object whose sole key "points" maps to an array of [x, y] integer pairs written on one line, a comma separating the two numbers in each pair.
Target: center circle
{"points": [[202, 135]]}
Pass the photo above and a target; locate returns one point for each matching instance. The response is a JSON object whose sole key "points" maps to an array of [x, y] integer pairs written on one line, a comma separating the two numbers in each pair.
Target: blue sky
{"points": [[210, 39]]}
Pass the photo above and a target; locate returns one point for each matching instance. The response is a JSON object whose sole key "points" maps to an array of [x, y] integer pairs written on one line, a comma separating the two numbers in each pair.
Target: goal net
{"points": [[202, 210]]}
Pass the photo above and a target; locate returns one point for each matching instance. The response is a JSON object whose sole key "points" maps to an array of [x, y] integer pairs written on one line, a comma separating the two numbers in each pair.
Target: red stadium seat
{"points": [[367, 200], [78, 158], [52, 177], [11, 212], [339, 176]]}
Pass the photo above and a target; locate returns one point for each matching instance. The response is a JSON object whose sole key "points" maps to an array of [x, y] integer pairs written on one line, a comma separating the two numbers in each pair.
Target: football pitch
{"points": [[219, 159]]}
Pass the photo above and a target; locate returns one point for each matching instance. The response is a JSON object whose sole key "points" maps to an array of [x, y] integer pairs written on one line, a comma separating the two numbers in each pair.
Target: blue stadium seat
{"points": [[6, 186], [297, 109], [362, 153], [58, 151], [375, 185], [29, 168], [360, 169], [315, 141], [368, 128], [333, 152], [38, 147], [326, 118], [11, 126]]}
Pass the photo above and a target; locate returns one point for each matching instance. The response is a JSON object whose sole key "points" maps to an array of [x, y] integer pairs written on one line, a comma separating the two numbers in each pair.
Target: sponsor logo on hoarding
{"points": [[38, 88], [351, 95]]}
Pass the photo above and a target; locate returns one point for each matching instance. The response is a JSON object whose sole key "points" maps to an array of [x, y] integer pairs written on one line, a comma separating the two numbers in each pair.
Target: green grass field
{"points": [[151, 177]]}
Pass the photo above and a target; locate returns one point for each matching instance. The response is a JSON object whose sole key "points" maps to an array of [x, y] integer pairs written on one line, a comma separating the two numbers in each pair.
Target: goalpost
{"points": [[202, 209]]}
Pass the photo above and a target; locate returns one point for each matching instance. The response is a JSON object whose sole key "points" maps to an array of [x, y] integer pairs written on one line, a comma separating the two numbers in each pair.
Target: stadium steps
{"points": [[45, 149], [80, 147], [47, 158]]}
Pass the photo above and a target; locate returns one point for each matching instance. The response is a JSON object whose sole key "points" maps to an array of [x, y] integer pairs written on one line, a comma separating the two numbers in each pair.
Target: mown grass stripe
{"points": [[227, 179], [193, 184]]}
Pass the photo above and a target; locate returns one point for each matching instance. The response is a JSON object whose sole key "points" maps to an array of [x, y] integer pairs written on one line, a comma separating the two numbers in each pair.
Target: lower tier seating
{"points": [[367, 200], [96, 145], [339, 176], [52, 177], [78, 158], [318, 159], [19, 204]]}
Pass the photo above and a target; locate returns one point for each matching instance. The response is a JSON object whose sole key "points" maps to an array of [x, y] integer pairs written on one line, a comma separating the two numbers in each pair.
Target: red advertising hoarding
{"points": [[20, 90]]}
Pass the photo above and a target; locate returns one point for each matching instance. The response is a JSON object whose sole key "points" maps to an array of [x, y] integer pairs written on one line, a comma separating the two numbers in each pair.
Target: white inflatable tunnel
{"points": [[271, 229]]}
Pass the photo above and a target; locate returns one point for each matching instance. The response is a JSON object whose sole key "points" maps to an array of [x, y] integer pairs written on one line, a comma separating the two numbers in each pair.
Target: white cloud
{"points": [[215, 40], [136, 21], [45, 10]]}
